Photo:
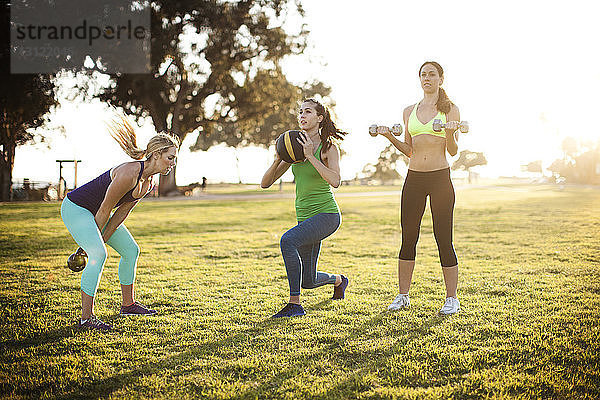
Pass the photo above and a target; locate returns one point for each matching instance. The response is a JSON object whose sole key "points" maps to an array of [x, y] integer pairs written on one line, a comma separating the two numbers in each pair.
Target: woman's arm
{"points": [[406, 146], [125, 177], [453, 120], [117, 219], [330, 169], [274, 172]]}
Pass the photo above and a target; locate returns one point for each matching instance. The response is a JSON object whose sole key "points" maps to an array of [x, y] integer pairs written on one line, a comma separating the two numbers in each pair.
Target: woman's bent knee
{"points": [[132, 252], [96, 256], [93, 270], [308, 285], [287, 241]]}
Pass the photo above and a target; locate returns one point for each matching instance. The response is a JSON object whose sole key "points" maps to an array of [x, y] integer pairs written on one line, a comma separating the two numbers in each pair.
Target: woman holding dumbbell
{"points": [[428, 175], [317, 212], [86, 212]]}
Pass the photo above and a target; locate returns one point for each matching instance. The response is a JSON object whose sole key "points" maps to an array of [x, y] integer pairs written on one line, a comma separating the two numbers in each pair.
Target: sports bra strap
{"points": [[140, 175]]}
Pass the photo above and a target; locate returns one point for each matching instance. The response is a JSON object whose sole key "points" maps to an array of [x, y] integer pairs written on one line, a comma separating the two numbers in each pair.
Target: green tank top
{"points": [[313, 193]]}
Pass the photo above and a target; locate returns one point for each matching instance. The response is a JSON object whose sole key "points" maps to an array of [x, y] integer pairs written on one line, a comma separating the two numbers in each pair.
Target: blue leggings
{"points": [[300, 247], [82, 226]]}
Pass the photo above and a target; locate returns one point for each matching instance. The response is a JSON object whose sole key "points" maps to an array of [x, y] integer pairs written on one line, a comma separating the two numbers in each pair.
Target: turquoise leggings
{"points": [[82, 226]]}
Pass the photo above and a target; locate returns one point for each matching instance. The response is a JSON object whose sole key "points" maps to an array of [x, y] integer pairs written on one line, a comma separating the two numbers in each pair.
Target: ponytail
{"points": [[443, 103], [327, 127], [123, 132]]}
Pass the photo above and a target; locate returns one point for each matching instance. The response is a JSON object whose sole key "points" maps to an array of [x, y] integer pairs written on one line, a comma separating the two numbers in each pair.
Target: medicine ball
{"points": [[289, 148]]}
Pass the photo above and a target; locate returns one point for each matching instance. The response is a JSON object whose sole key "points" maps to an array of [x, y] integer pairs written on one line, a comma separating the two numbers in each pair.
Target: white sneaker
{"points": [[401, 301], [451, 306]]}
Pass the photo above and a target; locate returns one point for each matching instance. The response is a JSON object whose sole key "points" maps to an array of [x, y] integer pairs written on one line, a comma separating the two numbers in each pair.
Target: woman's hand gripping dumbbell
{"points": [[375, 130], [438, 126]]}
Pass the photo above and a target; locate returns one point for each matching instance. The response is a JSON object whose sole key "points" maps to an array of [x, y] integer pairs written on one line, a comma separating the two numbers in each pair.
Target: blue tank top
{"points": [[91, 195]]}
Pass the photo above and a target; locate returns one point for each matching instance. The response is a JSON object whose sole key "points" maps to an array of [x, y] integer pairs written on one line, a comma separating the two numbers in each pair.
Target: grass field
{"points": [[529, 290]]}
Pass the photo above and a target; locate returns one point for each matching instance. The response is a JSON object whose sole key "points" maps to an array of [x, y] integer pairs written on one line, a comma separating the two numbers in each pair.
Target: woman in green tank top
{"points": [[317, 212]]}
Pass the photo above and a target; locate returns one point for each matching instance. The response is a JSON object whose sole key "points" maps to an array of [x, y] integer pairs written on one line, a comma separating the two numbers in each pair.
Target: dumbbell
{"points": [[438, 126], [396, 130]]}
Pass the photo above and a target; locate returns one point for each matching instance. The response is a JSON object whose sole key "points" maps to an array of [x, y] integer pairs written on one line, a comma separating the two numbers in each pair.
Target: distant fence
{"points": [[27, 190]]}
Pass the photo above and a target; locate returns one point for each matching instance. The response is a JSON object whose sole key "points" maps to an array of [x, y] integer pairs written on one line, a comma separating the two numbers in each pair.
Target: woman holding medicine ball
{"points": [[428, 175], [317, 212]]}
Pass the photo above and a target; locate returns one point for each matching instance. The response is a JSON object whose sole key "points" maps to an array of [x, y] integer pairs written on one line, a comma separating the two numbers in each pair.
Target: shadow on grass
{"points": [[105, 387], [370, 360], [48, 337], [53, 336]]}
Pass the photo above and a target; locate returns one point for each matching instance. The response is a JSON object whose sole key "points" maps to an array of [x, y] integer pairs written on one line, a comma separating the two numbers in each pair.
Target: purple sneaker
{"points": [[137, 309], [290, 310], [340, 290], [93, 323]]}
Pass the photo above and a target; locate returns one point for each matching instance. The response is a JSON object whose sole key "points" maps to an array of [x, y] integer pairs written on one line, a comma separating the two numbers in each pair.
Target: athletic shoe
{"points": [[340, 290], [137, 309], [451, 306], [93, 323], [401, 301], [290, 310]]}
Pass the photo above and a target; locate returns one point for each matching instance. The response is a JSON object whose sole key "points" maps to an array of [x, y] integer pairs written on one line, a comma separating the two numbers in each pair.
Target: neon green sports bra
{"points": [[416, 127]]}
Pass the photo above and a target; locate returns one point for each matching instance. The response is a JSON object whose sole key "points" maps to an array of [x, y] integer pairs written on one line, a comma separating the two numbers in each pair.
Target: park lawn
{"points": [[287, 188], [529, 290]]}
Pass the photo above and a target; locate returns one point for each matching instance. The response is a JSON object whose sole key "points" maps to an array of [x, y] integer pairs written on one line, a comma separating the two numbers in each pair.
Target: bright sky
{"points": [[525, 74]]}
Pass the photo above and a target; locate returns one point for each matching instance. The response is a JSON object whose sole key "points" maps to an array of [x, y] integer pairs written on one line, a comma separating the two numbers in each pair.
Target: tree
{"points": [[24, 100], [587, 167], [216, 73], [569, 147], [534, 166], [468, 159], [561, 168], [385, 169], [580, 163]]}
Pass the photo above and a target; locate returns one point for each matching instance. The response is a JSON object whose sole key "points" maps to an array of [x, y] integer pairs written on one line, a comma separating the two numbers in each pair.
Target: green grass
{"points": [[529, 290]]}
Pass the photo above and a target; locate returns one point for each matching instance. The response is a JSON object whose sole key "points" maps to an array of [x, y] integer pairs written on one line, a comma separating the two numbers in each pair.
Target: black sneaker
{"points": [[93, 323], [340, 290], [290, 310]]}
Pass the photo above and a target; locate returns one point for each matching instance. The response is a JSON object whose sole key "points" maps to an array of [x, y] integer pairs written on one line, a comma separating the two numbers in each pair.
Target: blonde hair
{"points": [[123, 132]]}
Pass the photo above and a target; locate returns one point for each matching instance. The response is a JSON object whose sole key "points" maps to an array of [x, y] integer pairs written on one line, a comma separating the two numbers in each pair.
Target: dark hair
{"points": [[443, 103], [328, 128]]}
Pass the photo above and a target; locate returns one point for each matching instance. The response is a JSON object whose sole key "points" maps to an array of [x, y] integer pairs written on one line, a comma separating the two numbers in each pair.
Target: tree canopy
{"points": [[468, 159], [385, 168], [580, 162], [216, 73], [24, 100]]}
